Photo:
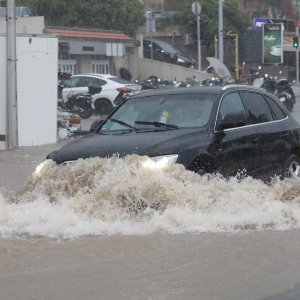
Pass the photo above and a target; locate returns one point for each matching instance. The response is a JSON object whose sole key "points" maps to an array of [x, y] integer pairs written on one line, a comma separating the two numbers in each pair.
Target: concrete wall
{"points": [[128, 61], [148, 67], [36, 90], [84, 64], [133, 61], [33, 25]]}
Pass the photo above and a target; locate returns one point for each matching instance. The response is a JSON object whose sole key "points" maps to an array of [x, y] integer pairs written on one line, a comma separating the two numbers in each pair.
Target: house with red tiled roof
{"points": [[84, 50], [92, 51]]}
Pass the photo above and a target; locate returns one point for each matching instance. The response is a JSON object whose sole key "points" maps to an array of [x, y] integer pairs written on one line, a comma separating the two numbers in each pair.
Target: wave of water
{"points": [[120, 196]]}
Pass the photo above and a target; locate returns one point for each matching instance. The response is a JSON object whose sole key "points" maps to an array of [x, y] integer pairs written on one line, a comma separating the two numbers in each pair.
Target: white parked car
{"points": [[111, 95]]}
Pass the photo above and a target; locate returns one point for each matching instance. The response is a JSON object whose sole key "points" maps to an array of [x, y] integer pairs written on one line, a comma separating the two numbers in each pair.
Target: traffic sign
{"points": [[196, 8]]}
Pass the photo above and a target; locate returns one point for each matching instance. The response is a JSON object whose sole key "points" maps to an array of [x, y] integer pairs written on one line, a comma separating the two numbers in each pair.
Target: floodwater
{"points": [[122, 196], [117, 229]]}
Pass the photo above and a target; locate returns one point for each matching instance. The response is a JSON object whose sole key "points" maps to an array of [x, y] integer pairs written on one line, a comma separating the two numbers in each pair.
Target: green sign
{"points": [[272, 43]]}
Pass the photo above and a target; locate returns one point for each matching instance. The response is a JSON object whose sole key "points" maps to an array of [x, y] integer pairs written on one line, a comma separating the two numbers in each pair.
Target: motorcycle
{"points": [[279, 87], [212, 81], [253, 75], [81, 104]]}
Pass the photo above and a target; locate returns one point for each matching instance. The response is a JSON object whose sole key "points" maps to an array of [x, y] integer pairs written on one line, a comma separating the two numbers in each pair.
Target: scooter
{"points": [[279, 87], [81, 104], [254, 74], [285, 93]]}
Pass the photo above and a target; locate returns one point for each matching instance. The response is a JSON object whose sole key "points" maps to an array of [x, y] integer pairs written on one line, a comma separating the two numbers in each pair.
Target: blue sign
{"points": [[258, 23]]}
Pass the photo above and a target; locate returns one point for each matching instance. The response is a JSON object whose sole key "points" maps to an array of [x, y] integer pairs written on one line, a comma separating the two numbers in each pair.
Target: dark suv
{"points": [[207, 129], [165, 52]]}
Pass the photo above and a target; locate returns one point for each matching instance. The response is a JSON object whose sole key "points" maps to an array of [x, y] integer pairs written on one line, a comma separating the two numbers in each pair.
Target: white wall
{"points": [[36, 89]]}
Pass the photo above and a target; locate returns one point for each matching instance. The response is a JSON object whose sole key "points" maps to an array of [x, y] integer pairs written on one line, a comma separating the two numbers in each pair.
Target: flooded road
{"points": [[134, 233], [156, 266]]}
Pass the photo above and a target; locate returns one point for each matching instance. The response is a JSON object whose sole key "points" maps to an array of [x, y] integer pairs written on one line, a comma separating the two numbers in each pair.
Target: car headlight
{"points": [[69, 162], [160, 162], [180, 60]]}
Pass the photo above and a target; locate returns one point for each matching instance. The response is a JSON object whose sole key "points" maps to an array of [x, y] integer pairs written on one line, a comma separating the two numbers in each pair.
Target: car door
{"points": [[236, 148], [269, 120]]}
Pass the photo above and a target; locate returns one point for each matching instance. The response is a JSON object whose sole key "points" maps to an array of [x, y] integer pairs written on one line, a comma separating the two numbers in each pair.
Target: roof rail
{"points": [[228, 86]]}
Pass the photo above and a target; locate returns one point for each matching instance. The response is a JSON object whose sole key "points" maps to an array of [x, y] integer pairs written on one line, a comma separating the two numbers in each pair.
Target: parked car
{"points": [[164, 51], [230, 129], [113, 89]]}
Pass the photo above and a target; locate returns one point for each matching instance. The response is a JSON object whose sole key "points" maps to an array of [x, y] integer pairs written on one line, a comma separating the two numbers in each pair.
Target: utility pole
{"points": [[199, 43], [297, 56], [221, 47], [196, 9], [11, 78]]}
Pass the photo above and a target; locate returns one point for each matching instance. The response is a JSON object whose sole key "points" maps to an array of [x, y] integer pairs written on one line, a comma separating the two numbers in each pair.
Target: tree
{"points": [[281, 8], [123, 15], [234, 20]]}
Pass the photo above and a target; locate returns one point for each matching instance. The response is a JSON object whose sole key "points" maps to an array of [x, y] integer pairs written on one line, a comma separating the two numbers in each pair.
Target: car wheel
{"points": [[202, 166], [103, 106], [201, 171], [292, 167], [85, 112]]}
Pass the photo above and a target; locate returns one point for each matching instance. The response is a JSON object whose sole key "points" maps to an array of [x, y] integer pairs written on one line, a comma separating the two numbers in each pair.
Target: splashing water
{"points": [[109, 196]]}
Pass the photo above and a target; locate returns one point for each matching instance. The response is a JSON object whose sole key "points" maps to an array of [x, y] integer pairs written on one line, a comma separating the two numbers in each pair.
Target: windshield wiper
{"points": [[123, 123], [157, 124]]}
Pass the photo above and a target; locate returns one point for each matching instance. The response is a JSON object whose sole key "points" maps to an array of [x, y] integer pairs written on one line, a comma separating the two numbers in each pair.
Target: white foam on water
{"points": [[119, 196]]}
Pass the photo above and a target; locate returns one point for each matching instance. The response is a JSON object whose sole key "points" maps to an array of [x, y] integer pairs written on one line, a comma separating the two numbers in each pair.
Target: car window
{"points": [[97, 81], [156, 47], [278, 113], [257, 108], [72, 82], [231, 104], [83, 81]]}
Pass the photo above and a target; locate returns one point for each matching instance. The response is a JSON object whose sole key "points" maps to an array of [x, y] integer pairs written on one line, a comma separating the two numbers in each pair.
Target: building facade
{"points": [[92, 51]]}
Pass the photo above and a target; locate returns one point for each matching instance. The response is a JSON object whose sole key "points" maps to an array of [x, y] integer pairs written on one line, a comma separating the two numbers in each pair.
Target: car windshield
{"points": [[161, 112], [168, 48]]}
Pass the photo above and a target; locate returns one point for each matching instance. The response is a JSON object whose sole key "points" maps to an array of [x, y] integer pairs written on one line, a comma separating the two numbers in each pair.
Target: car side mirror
{"points": [[232, 120], [95, 125]]}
